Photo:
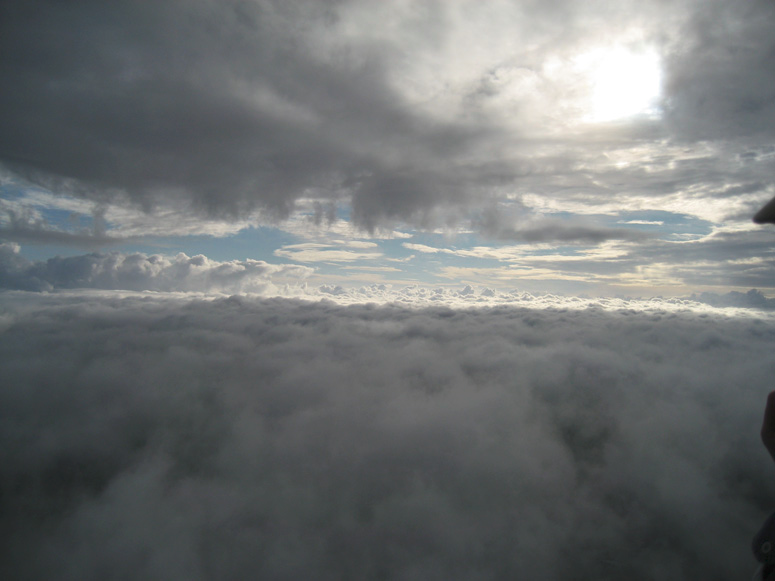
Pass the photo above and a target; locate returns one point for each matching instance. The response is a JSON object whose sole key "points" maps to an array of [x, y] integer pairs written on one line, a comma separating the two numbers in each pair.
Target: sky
{"points": [[401, 290], [582, 148]]}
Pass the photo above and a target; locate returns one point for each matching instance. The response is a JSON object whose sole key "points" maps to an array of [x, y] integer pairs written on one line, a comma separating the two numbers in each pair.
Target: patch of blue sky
{"points": [[250, 243], [394, 249], [669, 225], [343, 211], [10, 190], [66, 220], [25, 197], [42, 252]]}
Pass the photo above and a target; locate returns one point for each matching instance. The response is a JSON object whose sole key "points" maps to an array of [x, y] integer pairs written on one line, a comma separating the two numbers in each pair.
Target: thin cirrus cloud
{"points": [[426, 442], [311, 252]]}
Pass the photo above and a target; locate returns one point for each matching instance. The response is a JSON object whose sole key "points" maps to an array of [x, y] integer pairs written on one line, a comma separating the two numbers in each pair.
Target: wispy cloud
{"points": [[314, 252]]}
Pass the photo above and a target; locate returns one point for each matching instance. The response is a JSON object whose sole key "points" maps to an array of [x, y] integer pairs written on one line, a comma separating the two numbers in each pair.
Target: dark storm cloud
{"points": [[231, 105], [141, 97], [184, 440], [139, 272], [227, 108], [720, 81]]}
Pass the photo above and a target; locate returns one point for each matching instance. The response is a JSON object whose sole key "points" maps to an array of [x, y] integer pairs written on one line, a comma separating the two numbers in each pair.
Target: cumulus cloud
{"points": [[151, 438], [142, 272]]}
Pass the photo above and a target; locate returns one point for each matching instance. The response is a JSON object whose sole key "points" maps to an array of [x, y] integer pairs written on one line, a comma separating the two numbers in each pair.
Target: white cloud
{"points": [[373, 268], [318, 252], [138, 271], [425, 249], [356, 243], [239, 438]]}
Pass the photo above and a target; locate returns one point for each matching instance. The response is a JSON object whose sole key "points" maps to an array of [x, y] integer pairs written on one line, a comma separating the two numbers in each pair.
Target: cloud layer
{"points": [[273, 439], [406, 112], [140, 272]]}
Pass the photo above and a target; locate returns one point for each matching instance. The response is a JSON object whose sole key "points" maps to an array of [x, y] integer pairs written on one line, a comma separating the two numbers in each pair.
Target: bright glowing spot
{"points": [[622, 83]]}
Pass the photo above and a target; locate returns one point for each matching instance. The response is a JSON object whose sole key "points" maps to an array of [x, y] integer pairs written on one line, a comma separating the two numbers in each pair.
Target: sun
{"points": [[619, 83]]}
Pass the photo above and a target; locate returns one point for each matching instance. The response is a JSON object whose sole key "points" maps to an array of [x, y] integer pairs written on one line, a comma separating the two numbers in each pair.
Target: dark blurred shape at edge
{"points": [[767, 214]]}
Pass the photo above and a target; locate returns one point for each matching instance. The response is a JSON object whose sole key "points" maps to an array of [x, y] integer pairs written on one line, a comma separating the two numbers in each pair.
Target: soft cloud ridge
{"points": [[273, 438], [140, 272]]}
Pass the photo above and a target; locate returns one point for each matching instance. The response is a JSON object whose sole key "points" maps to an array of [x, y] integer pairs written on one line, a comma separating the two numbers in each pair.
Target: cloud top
{"points": [[183, 439]]}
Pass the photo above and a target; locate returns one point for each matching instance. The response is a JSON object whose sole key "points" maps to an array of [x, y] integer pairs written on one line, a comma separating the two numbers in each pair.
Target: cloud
{"points": [[229, 110], [752, 299], [142, 272], [733, 257], [719, 80], [20, 222], [558, 232], [424, 248], [523, 272], [33, 216], [508, 222], [644, 222], [738, 258], [232, 109], [318, 252], [161, 438]]}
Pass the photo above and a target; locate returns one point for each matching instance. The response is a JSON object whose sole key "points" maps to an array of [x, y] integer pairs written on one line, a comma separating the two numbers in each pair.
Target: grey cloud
{"points": [[184, 440], [506, 222], [142, 272], [720, 246], [761, 275], [752, 299], [581, 234], [661, 172], [741, 259], [24, 224], [720, 80], [142, 98], [233, 106], [251, 105]]}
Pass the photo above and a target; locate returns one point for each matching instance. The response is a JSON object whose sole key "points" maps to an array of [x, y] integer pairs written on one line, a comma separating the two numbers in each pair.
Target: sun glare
{"points": [[621, 83]]}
